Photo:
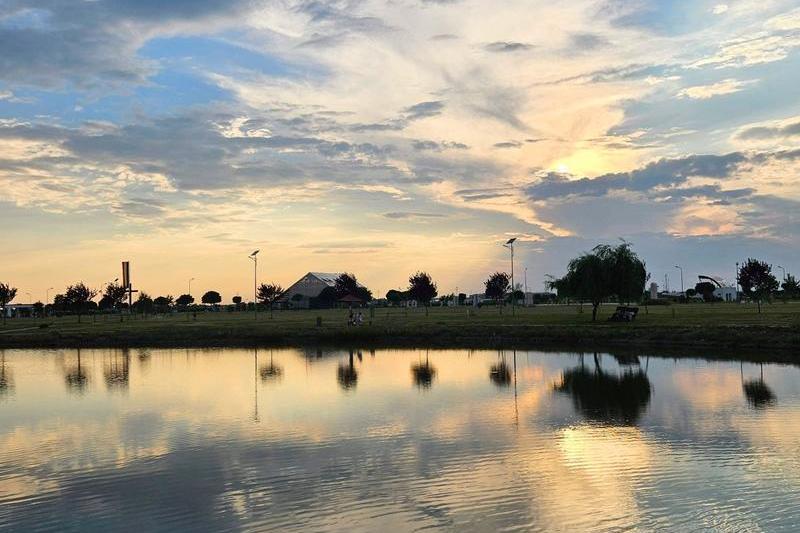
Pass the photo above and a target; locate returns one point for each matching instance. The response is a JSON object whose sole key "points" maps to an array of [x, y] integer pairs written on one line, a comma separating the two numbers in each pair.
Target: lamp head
{"points": [[254, 253], [511, 240]]}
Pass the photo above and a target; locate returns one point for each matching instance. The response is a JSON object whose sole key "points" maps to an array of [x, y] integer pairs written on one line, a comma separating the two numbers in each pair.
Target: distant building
{"points": [[19, 310], [301, 294], [654, 291], [726, 294]]}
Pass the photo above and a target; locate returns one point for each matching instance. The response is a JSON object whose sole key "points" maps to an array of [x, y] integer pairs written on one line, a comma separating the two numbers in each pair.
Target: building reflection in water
{"points": [[423, 373], [76, 377], [116, 369], [346, 374], [6, 377], [605, 397], [757, 392]]}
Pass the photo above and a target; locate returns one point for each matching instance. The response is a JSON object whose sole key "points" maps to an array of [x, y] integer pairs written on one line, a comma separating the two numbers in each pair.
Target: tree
{"points": [[113, 296], [268, 294], [326, 299], [347, 284], [78, 297], [627, 273], [237, 301], [791, 287], [211, 298], [422, 289], [706, 290], [163, 303], [184, 300], [144, 304], [395, 297], [497, 286], [757, 282], [602, 273], [7, 295]]}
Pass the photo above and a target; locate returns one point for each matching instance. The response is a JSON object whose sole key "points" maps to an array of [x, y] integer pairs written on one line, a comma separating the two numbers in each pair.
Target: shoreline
{"points": [[751, 338]]}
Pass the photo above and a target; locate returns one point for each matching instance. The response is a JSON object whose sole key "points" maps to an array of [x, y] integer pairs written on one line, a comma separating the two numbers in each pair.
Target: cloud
{"points": [[93, 44], [704, 92], [661, 173], [411, 215], [424, 110], [434, 146], [508, 144], [754, 49], [507, 46], [790, 129], [719, 9]]}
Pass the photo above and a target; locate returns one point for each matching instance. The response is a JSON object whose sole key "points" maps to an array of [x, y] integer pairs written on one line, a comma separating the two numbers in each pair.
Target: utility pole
{"points": [[254, 257], [510, 245]]}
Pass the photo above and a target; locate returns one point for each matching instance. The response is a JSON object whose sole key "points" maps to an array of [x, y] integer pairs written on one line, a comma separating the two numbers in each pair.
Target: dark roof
{"points": [[350, 298]]}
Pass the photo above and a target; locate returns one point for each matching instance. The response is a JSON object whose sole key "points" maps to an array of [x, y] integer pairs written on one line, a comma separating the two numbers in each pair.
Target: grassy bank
{"points": [[693, 325]]}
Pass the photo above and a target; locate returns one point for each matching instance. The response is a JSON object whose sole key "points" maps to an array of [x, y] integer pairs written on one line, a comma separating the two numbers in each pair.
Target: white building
{"points": [[300, 294], [726, 294]]}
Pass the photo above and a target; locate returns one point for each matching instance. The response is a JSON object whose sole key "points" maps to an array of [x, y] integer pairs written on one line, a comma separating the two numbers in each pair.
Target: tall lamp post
{"points": [[783, 270], [510, 245], [681, 269], [525, 296], [190, 286], [254, 257]]}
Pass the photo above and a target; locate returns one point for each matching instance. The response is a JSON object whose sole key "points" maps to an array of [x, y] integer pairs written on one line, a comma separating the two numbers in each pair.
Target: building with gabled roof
{"points": [[302, 291]]}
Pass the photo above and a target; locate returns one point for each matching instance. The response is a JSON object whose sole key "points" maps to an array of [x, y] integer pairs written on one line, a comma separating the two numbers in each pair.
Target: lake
{"points": [[395, 440]]}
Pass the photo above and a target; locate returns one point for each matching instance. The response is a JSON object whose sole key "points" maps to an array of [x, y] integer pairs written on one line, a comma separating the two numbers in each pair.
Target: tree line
{"points": [[604, 273]]}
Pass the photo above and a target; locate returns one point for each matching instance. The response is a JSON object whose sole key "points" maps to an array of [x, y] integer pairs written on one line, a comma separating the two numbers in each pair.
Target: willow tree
{"points": [[604, 272]]}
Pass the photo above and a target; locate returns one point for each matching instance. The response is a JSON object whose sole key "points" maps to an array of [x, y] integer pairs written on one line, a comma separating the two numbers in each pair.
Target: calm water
{"points": [[395, 441]]}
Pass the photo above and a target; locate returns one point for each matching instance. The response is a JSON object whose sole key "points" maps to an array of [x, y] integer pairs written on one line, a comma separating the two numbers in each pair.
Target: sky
{"points": [[386, 137]]}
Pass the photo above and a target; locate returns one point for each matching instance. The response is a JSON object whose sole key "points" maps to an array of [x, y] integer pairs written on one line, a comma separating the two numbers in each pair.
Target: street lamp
{"points": [[681, 269], [525, 298], [190, 286], [784, 271], [510, 245], [254, 257]]}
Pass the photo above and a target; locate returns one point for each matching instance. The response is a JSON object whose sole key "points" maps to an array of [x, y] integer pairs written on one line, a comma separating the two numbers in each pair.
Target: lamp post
{"points": [[681, 269], [510, 245], [525, 298], [783, 270], [254, 257], [190, 286]]}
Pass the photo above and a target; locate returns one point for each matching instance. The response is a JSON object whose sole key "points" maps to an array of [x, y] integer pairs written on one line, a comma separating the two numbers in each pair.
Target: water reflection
{"points": [[499, 372], [757, 392], [270, 371], [6, 377], [604, 397], [116, 369], [76, 377], [181, 450], [346, 374], [422, 372]]}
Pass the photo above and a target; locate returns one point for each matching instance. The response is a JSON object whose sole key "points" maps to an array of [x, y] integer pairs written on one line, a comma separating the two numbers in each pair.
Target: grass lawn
{"points": [[720, 324]]}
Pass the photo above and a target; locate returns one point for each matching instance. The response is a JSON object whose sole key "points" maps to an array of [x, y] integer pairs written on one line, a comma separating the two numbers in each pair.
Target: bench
{"points": [[624, 314]]}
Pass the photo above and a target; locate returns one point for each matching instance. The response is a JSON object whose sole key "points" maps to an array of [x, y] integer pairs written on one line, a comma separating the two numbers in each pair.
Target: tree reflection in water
{"points": [[604, 397], [423, 373], [76, 377], [270, 371], [347, 374], [116, 370], [6, 377], [757, 392], [500, 374]]}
